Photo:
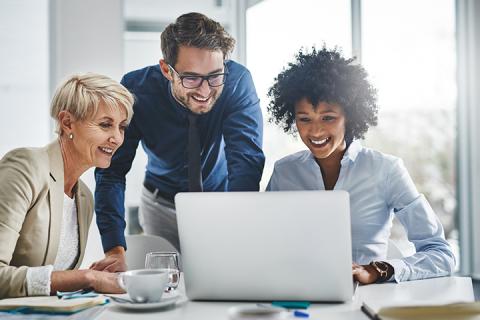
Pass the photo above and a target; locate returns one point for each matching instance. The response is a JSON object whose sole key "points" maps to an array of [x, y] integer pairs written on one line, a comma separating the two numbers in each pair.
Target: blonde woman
{"points": [[45, 209]]}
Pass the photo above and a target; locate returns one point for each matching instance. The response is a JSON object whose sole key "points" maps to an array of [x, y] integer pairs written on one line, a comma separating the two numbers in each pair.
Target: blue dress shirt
{"points": [[230, 134], [379, 187]]}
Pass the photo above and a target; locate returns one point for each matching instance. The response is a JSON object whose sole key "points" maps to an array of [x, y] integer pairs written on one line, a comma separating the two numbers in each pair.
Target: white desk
{"points": [[446, 289]]}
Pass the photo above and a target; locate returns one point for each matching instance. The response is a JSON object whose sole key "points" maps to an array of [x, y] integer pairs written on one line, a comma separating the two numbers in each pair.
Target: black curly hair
{"points": [[324, 76]]}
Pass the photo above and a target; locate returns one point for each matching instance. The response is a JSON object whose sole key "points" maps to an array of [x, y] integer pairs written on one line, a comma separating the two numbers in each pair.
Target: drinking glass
{"points": [[167, 261]]}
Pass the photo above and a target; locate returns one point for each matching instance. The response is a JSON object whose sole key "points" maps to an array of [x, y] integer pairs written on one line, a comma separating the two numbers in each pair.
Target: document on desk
{"points": [[51, 305], [458, 311], [439, 298]]}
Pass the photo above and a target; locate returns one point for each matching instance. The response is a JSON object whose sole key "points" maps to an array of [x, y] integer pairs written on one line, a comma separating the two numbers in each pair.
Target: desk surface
{"points": [[440, 290]]}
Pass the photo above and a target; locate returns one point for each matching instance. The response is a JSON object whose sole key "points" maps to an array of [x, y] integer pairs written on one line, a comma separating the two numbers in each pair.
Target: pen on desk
{"points": [[355, 288], [73, 294], [369, 312], [300, 314], [296, 313]]}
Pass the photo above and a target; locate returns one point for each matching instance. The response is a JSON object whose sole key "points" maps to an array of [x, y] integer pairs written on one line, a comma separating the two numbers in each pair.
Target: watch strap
{"points": [[384, 270]]}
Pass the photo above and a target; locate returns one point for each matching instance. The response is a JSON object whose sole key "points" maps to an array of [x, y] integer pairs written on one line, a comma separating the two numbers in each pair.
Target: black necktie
{"points": [[194, 167]]}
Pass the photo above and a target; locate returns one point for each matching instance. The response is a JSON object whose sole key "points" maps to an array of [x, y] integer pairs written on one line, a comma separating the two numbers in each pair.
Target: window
{"points": [[413, 66], [276, 30], [408, 49]]}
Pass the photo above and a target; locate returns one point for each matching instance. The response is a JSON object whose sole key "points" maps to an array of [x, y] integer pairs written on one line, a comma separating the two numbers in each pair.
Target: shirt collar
{"points": [[352, 151], [350, 154]]}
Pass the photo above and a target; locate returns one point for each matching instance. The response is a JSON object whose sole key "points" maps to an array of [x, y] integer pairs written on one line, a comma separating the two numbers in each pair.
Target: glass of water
{"points": [[167, 261]]}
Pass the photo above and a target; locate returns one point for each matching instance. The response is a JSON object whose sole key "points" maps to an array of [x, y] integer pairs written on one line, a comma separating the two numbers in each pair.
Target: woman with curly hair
{"points": [[328, 100]]}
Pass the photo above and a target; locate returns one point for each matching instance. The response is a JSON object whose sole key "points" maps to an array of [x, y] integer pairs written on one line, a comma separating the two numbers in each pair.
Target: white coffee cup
{"points": [[144, 285]]}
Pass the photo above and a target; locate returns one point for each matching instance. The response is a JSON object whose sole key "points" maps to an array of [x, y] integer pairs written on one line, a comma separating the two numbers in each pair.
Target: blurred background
{"points": [[419, 54]]}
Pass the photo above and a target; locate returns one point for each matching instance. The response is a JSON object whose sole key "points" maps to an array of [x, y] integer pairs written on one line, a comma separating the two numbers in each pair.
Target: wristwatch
{"points": [[383, 269]]}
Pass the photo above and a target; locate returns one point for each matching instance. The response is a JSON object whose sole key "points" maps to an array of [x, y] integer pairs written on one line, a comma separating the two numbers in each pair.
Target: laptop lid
{"points": [[287, 245]]}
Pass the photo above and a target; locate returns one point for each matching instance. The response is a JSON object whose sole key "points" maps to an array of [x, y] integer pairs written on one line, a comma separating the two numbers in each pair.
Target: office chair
{"points": [[139, 245]]}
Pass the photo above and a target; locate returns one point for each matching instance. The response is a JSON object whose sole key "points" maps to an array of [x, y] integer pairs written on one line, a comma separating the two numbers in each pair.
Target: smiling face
{"points": [[321, 129], [195, 62], [96, 139]]}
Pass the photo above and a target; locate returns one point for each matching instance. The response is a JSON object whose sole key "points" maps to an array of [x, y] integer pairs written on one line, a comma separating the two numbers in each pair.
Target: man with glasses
{"points": [[198, 118]]}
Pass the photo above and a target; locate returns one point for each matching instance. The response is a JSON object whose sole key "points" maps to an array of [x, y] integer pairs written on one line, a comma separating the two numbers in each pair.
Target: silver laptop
{"points": [[264, 246]]}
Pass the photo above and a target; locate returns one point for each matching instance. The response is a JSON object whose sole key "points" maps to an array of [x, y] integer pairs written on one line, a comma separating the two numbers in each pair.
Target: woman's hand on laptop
{"points": [[365, 274]]}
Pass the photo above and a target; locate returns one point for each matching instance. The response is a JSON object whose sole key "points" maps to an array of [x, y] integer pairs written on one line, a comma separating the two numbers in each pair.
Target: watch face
{"points": [[383, 269], [381, 265]]}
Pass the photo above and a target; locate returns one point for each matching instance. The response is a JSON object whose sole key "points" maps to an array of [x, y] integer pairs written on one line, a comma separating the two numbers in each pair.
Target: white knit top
{"points": [[39, 278]]}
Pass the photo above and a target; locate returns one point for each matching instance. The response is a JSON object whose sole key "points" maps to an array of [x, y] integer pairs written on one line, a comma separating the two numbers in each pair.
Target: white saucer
{"points": [[167, 300]]}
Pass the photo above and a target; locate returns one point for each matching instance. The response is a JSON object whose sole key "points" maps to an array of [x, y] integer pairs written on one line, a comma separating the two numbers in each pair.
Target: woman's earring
{"points": [[70, 136]]}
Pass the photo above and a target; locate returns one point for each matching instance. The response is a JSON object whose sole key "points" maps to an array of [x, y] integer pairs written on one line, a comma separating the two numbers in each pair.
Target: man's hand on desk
{"points": [[114, 261], [375, 272], [365, 274]]}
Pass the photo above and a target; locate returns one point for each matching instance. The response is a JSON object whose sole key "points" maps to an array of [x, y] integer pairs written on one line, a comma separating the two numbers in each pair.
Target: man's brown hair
{"points": [[194, 30]]}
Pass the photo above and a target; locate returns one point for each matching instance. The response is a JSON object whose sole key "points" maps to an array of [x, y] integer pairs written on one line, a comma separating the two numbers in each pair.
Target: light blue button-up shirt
{"points": [[379, 187]]}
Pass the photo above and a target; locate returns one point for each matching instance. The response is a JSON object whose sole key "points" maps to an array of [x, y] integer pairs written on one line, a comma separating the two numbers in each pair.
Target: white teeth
{"points": [[107, 150], [319, 141], [200, 99]]}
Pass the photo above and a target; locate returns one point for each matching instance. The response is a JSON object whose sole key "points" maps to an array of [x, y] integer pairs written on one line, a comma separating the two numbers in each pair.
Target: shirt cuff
{"points": [[112, 239], [400, 270], [39, 280]]}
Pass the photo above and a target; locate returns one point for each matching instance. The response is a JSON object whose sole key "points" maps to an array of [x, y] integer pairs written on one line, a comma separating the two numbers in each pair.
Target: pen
{"points": [[296, 313], [369, 312], [73, 294], [355, 288]]}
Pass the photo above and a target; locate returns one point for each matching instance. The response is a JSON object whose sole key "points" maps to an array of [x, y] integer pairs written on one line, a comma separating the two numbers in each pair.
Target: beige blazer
{"points": [[31, 213]]}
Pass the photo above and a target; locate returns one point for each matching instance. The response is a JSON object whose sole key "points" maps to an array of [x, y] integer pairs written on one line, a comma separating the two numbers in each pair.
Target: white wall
{"points": [[230, 13], [86, 36], [24, 96], [166, 10]]}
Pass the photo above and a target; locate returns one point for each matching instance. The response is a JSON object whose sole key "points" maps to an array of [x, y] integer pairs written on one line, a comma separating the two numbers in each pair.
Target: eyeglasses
{"points": [[192, 82]]}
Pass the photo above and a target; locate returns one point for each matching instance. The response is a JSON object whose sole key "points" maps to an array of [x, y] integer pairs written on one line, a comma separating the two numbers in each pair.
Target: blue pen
{"points": [[296, 313], [300, 314]]}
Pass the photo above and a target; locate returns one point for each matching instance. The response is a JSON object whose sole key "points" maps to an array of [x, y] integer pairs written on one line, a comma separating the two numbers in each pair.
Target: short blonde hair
{"points": [[81, 95]]}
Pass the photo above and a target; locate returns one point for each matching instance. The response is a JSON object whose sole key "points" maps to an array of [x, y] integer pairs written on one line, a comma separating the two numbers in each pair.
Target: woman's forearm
{"points": [[70, 280]]}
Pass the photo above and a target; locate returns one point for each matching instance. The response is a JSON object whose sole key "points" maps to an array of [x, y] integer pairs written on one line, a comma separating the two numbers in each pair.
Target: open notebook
{"points": [[458, 311], [439, 299], [51, 305]]}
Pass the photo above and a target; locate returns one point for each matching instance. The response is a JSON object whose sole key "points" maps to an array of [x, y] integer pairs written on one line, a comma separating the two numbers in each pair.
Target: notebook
{"points": [[264, 246], [438, 298], [458, 311], [50, 304]]}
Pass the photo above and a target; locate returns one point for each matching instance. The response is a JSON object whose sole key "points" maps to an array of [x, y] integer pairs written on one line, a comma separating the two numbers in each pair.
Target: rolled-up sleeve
{"points": [[243, 134], [433, 257], [39, 280]]}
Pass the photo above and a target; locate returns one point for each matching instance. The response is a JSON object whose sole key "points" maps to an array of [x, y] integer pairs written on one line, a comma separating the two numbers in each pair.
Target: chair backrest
{"points": [[139, 245]]}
